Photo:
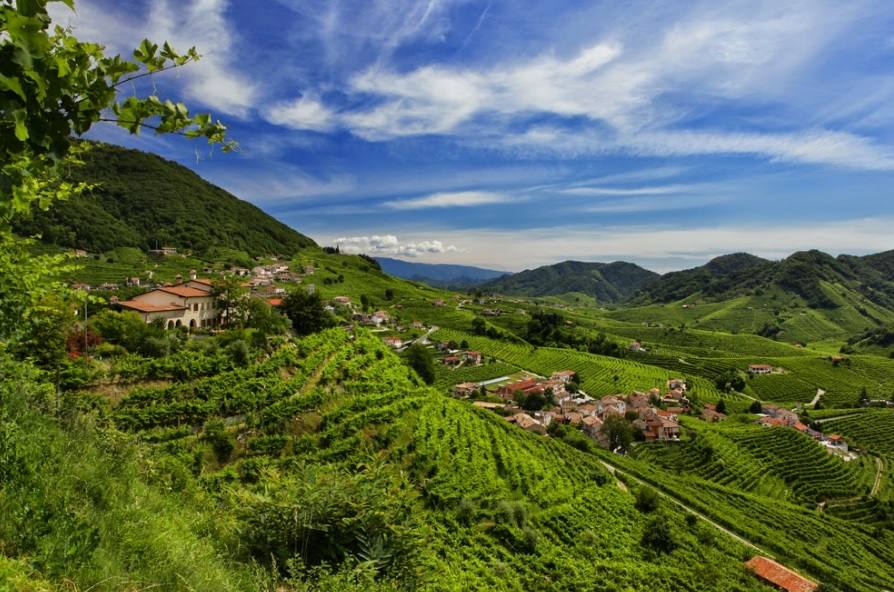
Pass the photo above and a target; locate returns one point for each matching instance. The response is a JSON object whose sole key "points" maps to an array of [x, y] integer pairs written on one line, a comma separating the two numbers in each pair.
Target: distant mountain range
{"points": [[810, 275], [439, 274], [142, 200], [606, 282]]}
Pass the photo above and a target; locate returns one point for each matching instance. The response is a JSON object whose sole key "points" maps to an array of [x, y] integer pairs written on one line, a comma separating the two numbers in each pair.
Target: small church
{"points": [[187, 304]]}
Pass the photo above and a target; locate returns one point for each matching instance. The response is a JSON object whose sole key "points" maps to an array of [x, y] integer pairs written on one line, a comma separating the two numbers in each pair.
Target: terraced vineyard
{"points": [[854, 556], [599, 375], [812, 473], [446, 377], [486, 490], [872, 429]]}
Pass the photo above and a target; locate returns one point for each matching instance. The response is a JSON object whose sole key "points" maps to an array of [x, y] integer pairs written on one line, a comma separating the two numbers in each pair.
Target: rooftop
{"points": [[779, 575]]}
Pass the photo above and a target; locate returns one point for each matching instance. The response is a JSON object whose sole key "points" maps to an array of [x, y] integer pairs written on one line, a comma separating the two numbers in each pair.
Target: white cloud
{"points": [[812, 147], [390, 245], [449, 200], [214, 81], [660, 248], [630, 191], [277, 183], [637, 85], [306, 112]]}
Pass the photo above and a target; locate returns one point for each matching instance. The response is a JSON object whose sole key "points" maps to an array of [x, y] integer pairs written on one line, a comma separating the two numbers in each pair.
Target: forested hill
{"points": [[606, 282], [816, 277], [140, 200]]}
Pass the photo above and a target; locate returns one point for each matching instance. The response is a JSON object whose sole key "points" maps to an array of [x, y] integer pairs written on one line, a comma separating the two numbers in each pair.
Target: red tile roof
{"points": [[274, 301], [146, 307], [184, 291], [779, 575]]}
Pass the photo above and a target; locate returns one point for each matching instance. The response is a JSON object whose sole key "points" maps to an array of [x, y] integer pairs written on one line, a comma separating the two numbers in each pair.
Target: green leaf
{"points": [[12, 83], [21, 118]]}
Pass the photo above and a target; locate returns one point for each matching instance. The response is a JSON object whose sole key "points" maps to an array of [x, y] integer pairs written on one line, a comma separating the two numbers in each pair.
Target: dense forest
{"points": [[142, 200]]}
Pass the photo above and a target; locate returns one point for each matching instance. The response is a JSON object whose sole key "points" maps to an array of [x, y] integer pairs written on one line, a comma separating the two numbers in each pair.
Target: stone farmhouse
{"points": [[188, 304]]}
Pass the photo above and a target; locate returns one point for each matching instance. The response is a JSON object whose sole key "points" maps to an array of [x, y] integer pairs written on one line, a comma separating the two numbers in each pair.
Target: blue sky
{"points": [[515, 134]]}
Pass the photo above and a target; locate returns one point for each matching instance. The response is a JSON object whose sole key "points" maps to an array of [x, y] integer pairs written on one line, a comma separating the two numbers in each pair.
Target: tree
{"points": [[464, 344], [389, 294], [618, 431], [419, 358], [646, 499], [658, 535], [479, 327], [731, 380], [232, 297], [53, 89], [365, 302], [265, 320], [721, 406], [756, 407], [306, 312]]}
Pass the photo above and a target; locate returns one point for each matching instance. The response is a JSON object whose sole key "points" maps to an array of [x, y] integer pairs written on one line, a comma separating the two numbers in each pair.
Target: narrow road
{"points": [[880, 466], [825, 419], [819, 393], [613, 470]]}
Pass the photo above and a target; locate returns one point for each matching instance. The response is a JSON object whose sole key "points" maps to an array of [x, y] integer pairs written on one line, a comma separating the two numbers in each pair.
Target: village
{"points": [[653, 415]]}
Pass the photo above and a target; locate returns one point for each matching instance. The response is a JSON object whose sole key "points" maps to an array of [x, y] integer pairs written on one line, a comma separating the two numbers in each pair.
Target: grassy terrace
{"points": [[328, 406]]}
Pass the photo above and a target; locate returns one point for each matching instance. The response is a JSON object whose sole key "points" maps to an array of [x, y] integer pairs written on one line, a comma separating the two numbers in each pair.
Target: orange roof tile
{"points": [[184, 291], [779, 575], [146, 307]]}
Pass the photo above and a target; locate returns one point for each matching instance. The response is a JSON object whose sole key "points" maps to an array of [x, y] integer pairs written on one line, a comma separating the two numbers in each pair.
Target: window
{"points": [[195, 307]]}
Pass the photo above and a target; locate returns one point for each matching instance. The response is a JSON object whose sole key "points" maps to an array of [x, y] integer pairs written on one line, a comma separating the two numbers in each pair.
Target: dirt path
{"points": [[819, 393], [314, 378], [825, 419], [880, 467], [613, 470]]}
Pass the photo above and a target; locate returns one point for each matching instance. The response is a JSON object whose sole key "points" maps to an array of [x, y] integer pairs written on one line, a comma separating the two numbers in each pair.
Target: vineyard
{"points": [[872, 429], [446, 377], [855, 557], [487, 491], [600, 375]]}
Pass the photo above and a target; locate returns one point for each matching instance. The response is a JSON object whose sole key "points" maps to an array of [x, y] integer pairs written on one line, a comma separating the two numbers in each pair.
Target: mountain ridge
{"points": [[142, 200], [442, 275]]}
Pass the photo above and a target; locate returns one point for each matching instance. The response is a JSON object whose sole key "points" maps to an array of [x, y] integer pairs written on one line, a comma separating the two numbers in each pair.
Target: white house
{"points": [[188, 304]]}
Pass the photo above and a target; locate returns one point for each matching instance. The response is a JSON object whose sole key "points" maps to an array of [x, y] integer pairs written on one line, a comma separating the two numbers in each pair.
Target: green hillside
{"points": [[606, 282], [142, 200], [290, 454]]}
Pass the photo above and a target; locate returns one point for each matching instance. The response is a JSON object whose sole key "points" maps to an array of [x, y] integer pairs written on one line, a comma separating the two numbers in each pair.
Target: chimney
{"points": [[192, 274]]}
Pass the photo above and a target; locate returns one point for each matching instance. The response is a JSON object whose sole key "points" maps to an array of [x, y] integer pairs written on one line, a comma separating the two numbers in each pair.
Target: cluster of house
{"points": [[773, 416], [191, 303], [636, 346], [654, 422], [263, 277], [461, 358], [758, 369]]}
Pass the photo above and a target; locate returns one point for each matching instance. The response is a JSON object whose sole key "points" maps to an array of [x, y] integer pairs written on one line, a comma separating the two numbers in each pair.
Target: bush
{"points": [[647, 499], [659, 536], [419, 358]]}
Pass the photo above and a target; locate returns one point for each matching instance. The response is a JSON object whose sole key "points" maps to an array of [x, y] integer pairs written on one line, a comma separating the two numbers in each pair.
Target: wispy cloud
{"points": [[304, 113], [456, 199], [390, 244], [630, 191], [215, 81], [628, 85]]}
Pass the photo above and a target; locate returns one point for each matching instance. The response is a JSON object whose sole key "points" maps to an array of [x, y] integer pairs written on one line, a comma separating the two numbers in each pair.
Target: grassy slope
{"points": [[504, 509]]}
